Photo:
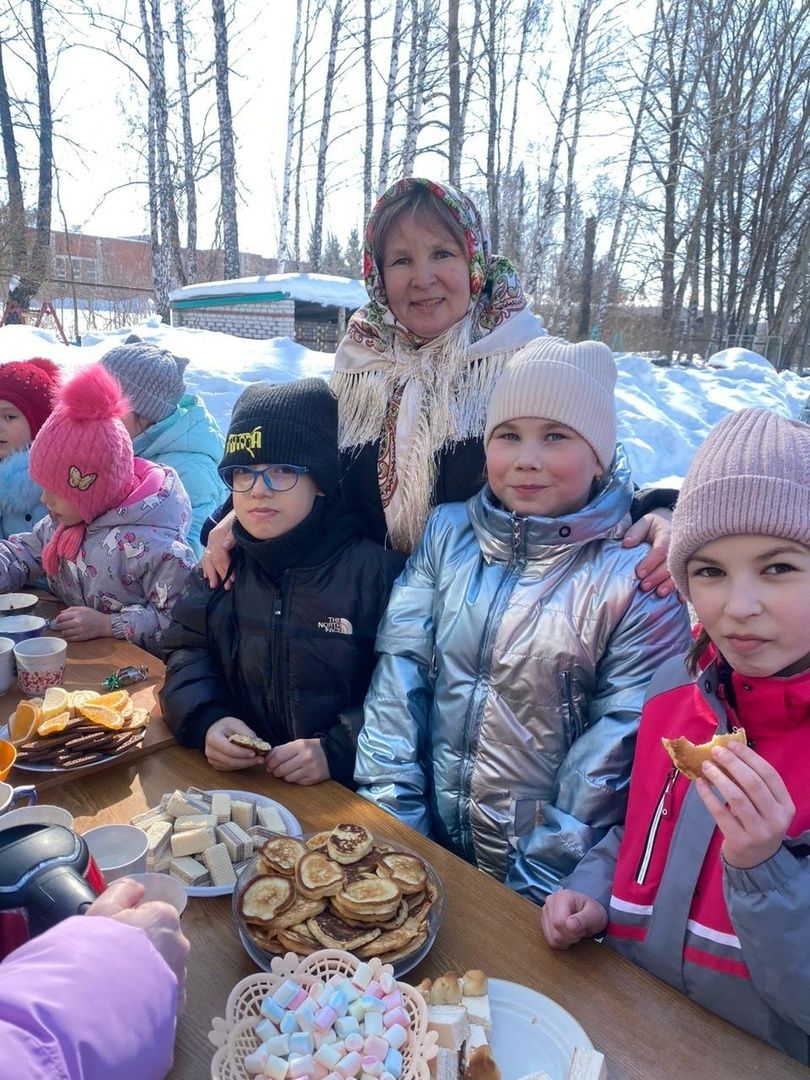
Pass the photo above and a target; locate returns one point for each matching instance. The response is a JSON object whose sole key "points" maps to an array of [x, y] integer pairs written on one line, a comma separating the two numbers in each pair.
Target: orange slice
{"points": [[56, 701], [54, 724], [25, 719], [81, 697], [102, 715], [116, 700]]}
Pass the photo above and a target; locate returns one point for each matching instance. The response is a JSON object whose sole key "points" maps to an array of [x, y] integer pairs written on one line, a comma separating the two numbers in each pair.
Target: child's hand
{"points": [[83, 624], [569, 916], [217, 554], [300, 762], [656, 529], [224, 755], [757, 810]]}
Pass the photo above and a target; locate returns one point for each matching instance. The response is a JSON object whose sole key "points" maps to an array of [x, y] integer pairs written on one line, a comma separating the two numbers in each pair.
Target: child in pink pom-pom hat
{"points": [[113, 545]]}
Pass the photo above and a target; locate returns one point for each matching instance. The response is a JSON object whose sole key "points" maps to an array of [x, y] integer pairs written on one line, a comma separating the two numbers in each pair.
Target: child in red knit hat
{"points": [[113, 544], [27, 396]]}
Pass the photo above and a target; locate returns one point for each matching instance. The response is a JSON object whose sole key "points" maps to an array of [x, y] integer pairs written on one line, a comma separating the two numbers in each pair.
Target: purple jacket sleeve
{"points": [[90, 998]]}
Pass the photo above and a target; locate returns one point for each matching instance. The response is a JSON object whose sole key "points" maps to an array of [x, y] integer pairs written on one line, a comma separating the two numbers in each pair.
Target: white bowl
{"points": [[17, 603]]}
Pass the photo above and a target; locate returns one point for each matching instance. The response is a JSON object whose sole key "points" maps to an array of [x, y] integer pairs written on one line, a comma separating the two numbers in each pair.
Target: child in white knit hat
{"points": [[516, 647]]}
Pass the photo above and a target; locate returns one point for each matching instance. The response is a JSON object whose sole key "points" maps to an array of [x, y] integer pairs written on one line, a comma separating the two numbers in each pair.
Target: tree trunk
{"points": [[301, 128], [161, 275], [493, 127], [454, 108], [284, 222], [227, 153], [169, 226], [188, 144], [16, 204], [368, 153], [584, 325], [390, 97], [316, 240]]}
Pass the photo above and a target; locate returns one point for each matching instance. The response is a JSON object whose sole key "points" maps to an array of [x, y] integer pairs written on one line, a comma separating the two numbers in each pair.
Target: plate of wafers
{"points": [[343, 888], [67, 730], [204, 837]]}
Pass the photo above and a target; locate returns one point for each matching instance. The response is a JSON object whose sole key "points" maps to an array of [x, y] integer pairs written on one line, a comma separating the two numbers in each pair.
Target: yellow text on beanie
{"points": [[557, 380], [83, 452], [750, 476]]}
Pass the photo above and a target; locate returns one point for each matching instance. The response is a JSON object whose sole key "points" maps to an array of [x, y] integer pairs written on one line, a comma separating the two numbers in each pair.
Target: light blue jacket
{"points": [[190, 442], [513, 661], [20, 505]]}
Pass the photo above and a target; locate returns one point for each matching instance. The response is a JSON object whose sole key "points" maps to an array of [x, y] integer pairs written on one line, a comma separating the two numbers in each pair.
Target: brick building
{"points": [[312, 309]]}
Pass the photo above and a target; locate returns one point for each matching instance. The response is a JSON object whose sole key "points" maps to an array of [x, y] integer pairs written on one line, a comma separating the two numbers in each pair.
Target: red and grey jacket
{"points": [[737, 941]]}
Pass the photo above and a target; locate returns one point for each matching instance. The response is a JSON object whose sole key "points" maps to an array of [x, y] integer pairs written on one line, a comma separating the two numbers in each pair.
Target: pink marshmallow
{"points": [[299, 999], [353, 1042], [301, 1066], [376, 1047], [390, 1001], [374, 989], [324, 1018], [396, 1016], [387, 982], [319, 1072], [372, 1066]]}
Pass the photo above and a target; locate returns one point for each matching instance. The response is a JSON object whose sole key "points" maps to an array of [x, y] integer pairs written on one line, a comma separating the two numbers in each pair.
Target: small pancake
{"points": [[407, 871], [348, 843], [317, 842], [408, 950], [371, 893], [688, 757], [333, 933], [299, 911], [392, 940], [282, 853], [298, 939], [250, 742], [317, 876], [265, 898]]}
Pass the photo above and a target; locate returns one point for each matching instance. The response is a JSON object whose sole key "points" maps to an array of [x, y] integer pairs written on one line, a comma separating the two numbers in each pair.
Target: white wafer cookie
{"points": [[219, 865], [192, 842], [243, 812], [189, 871], [194, 821]]}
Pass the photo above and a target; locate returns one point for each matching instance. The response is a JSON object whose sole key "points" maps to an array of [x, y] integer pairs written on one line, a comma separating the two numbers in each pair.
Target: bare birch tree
{"points": [[284, 222], [316, 239], [189, 182], [227, 156], [390, 96]]}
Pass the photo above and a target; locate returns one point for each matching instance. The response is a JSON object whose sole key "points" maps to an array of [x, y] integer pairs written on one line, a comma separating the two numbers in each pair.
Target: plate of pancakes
{"points": [[343, 888]]}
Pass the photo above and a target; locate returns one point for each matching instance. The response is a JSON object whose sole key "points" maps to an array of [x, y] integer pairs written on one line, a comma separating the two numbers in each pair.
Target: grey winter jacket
{"points": [[133, 562], [514, 656], [20, 498]]}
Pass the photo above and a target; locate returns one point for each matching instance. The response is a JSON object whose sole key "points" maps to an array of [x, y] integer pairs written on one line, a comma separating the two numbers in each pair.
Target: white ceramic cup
{"points": [[22, 627], [162, 887], [37, 815], [10, 795], [6, 664], [118, 850], [40, 664]]}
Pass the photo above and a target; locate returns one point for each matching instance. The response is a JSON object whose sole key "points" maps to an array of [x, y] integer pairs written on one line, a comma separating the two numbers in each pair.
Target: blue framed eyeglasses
{"points": [[241, 478]]}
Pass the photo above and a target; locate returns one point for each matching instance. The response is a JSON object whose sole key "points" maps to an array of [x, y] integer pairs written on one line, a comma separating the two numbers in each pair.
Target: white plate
{"points": [[531, 1033], [47, 766], [17, 603], [291, 822]]}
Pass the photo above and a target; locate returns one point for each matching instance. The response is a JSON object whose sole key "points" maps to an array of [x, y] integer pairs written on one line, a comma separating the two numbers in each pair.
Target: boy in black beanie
{"points": [[286, 653]]}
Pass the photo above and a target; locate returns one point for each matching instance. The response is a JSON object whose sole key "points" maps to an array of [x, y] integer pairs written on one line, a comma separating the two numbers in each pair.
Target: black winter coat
{"points": [[288, 660]]}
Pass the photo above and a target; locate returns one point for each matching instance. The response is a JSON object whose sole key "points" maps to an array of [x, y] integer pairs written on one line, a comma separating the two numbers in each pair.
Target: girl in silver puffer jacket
{"points": [[517, 647]]}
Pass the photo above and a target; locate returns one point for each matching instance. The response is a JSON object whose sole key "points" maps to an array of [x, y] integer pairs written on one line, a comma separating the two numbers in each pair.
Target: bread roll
{"points": [[688, 757]]}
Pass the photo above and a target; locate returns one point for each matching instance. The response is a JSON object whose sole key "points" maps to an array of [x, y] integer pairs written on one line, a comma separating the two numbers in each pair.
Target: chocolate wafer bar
{"points": [[236, 840], [189, 871]]}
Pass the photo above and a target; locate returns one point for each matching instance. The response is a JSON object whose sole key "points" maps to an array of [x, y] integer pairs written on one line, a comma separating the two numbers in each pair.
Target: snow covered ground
{"points": [[664, 413]]}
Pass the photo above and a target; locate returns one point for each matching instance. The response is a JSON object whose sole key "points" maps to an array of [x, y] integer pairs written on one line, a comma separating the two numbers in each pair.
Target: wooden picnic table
{"points": [[88, 662], [646, 1030]]}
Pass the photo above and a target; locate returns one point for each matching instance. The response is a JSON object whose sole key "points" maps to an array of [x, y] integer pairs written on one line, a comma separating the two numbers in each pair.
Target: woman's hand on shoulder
{"points": [[225, 755], [217, 555], [568, 917], [302, 761], [754, 810], [656, 529]]}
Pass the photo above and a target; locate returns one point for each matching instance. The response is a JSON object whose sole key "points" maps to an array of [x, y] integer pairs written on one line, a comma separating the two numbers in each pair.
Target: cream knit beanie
{"points": [[572, 384], [751, 476]]}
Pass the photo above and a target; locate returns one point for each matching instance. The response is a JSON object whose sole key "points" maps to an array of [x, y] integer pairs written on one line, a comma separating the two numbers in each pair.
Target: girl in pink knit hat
{"points": [[707, 884], [28, 391], [113, 543]]}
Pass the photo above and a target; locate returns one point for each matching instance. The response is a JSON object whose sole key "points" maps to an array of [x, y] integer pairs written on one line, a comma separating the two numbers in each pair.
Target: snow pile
{"points": [[664, 413], [325, 289]]}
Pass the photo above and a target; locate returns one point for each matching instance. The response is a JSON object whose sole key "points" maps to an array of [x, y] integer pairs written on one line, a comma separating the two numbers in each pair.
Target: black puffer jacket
{"points": [[287, 659]]}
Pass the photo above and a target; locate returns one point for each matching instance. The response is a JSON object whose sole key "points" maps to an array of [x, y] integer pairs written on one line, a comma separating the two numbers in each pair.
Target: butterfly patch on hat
{"points": [[82, 482]]}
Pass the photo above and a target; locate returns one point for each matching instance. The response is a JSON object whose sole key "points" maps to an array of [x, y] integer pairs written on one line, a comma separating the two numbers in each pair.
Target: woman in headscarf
{"points": [[415, 370]]}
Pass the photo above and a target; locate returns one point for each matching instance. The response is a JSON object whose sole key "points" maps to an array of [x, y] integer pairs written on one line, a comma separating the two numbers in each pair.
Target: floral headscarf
{"points": [[419, 396], [495, 290]]}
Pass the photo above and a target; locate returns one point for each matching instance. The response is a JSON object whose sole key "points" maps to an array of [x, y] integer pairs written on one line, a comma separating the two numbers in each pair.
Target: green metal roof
{"points": [[228, 301]]}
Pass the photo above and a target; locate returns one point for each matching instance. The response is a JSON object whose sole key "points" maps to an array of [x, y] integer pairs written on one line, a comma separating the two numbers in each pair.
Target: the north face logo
{"points": [[336, 625]]}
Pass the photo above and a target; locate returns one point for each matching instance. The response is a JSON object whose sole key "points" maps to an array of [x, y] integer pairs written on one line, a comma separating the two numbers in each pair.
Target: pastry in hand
{"points": [[688, 757]]}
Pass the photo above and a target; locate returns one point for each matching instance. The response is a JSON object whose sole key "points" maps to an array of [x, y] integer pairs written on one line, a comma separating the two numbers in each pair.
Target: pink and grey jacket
{"points": [[90, 999], [736, 941], [133, 561]]}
